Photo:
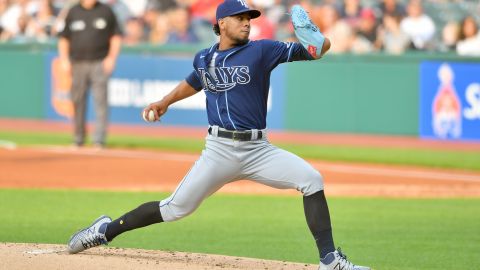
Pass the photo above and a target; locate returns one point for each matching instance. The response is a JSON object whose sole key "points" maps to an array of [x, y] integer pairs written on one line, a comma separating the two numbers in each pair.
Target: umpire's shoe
{"points": [[89, 237], [337, 261]]}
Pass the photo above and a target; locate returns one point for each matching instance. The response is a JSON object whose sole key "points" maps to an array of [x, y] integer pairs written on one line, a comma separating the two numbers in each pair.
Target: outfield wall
{"points": [[374, 94], [22, 84]]}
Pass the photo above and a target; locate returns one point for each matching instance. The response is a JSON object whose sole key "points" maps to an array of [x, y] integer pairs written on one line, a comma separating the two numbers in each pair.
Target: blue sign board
{"points": [[449, 101], [139, 80]]}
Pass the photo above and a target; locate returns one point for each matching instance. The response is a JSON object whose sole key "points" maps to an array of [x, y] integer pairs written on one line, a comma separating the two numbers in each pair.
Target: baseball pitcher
{"points": [[235, 75]]}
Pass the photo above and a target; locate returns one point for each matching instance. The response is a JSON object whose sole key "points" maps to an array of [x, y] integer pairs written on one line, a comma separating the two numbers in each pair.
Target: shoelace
{"points": [[93, 242], [343, 258]]}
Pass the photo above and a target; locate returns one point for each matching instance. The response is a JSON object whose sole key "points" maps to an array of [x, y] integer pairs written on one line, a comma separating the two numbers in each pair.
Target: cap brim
{"points": [[253, 13]]}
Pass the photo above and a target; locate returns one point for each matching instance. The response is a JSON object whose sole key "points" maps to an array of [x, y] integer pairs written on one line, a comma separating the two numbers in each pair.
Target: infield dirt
{"points": [[53, 257], [59, 167]]}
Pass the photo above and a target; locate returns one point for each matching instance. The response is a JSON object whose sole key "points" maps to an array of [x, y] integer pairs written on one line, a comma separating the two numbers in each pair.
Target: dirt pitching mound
{"points": [[45, 256]]}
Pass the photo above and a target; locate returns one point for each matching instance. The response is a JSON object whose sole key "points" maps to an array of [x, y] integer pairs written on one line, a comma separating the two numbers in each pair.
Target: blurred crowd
{"points": [[353, 26]]}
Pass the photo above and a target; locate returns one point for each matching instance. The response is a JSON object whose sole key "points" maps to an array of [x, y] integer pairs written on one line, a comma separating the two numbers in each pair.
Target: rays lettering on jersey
{"points": [[225, 78]]}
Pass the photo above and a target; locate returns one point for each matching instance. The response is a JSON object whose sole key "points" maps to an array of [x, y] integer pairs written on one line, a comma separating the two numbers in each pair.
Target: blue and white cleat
{"points": [[336, 260], [89, 237]]}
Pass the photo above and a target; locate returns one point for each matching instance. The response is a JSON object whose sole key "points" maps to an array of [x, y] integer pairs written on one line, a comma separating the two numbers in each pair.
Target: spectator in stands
{"points": [[450, 37], [158, 27], [161, 5], [14, 17], [338, 31], [41, 27], [149, 18], [180, 31], [121, 10], [285, 30], [202, 14], [202, 10], [261, 27], [350, 12], [368, 28], [136, 7], [365, 38], [133, 34], [156, 20], [392, 8], [349, 25], [360, 45], [274, 9], [21, 36], [393, 39], [4, 4], [469, 43], [418, 26]]}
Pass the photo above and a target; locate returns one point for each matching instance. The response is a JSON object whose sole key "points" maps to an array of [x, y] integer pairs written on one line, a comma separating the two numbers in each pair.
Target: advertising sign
{"points": [[139, 80], [450, 101]]}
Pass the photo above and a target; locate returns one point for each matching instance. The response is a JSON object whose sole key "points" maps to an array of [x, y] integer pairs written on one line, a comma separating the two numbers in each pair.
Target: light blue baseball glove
{"points": [[307, 32]]}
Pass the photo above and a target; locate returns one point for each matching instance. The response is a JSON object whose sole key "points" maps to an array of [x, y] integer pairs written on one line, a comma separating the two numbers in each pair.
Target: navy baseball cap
{"points": [[234, 7]]}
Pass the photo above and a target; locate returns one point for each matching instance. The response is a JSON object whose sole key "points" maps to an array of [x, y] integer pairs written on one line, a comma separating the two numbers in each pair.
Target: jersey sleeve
{"points": [[194, 81], [65, 32], [276, 52], [115, 26]]}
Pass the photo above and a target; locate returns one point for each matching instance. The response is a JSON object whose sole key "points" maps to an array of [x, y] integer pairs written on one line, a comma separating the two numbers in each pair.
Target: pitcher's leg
{"points": [[281, 169], [210, 172], [144, 215], [206, 176], [278, 168], [100, 95], [216, 166], [318, 219]]}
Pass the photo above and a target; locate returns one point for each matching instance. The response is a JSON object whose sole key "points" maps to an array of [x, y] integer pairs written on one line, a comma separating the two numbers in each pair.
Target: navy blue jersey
{"points": [[236, 81]]}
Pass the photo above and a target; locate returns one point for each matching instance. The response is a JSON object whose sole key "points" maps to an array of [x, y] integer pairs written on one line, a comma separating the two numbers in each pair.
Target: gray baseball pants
{"points": [[86, 75], [226, 160]]}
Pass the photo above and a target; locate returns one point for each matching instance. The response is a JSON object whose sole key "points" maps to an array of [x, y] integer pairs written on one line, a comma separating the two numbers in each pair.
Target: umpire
{"points": [[88, 47]]}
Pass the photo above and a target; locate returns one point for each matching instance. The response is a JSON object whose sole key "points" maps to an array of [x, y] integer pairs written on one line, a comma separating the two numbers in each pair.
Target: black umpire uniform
{"points": [[88, 46]]}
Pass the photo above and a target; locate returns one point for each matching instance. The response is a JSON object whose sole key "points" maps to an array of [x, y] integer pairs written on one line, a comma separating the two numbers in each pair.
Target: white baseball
{"points": [[150, 117]]}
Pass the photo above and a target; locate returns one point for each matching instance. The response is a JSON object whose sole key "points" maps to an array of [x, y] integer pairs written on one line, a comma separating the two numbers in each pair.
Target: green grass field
{"points": [[406, 156], [388, 234]]}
